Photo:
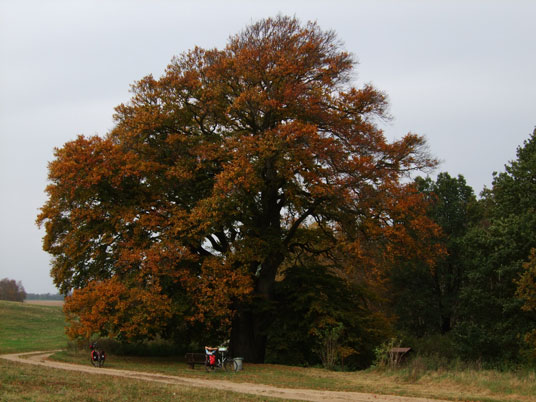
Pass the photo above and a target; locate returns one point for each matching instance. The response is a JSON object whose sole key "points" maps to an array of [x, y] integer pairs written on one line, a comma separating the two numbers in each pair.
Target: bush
{"points": [[155, 348], [438, 345], [383, 356]]}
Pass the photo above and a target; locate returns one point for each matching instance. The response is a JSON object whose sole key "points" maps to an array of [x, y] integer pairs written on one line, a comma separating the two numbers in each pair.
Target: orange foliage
{"points": [[110, 308]]}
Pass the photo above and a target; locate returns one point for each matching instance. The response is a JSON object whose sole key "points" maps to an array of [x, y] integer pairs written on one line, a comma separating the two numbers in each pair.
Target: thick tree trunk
{"points": [[445, 323], [247, 337], [248, 334]]}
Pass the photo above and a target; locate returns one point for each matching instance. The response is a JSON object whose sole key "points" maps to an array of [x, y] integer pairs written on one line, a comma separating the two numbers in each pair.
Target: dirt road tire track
{"points": [[41, 359]]}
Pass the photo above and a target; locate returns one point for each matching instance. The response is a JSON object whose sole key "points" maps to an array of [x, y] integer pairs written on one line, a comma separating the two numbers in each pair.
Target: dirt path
{"points": [[40, 359]]}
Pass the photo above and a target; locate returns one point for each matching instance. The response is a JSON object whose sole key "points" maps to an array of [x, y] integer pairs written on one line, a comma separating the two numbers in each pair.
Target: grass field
{"points": [[28, 326], [25, 327], [56, 303]]}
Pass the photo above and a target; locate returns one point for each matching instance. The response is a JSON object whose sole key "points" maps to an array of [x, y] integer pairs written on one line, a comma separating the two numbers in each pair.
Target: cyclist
{"points": [[210, 355], [97, 355]]}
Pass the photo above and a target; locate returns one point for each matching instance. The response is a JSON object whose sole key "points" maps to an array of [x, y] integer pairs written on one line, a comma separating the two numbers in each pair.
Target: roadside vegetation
{"points": [[20, 382], [419, 377]]}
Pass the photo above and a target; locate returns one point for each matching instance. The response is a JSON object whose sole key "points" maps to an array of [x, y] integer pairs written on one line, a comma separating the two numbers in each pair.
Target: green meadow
{"points": [[25, 327]]}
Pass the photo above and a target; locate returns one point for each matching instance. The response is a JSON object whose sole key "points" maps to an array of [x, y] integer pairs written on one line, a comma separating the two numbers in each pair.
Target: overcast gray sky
{"points": [[462, 73]]}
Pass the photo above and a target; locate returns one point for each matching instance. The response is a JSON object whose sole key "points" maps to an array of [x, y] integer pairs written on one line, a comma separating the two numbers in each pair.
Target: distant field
{"points": [[45, 302], [26, 327]]}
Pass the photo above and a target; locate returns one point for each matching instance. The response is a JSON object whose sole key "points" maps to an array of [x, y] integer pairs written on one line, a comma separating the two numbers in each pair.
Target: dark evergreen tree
{"points": [[426, 296], [526, 290], [492, 324]]}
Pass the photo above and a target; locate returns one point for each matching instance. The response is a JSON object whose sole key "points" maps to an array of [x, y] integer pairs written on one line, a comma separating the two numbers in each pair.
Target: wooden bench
{"points": [[194, 358]]}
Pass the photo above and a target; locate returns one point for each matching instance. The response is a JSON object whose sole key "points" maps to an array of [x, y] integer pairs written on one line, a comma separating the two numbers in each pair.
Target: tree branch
{"points": [[296, 225]]}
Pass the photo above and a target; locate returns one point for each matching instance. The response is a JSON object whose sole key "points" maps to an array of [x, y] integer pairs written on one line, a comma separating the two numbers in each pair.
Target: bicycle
{"points": [[97, 355], [222, 362]]}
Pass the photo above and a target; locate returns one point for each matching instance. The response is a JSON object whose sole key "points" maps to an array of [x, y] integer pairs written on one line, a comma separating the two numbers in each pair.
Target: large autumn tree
{"points": [[219, 172]]}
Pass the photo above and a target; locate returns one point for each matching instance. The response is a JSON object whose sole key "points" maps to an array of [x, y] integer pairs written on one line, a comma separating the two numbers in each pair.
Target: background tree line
{"points": [[248, 195], [12, 290], [481, 295]]}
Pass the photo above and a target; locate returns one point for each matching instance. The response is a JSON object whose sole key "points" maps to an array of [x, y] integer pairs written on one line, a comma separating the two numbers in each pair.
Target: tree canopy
{"points": [[221, 173]]}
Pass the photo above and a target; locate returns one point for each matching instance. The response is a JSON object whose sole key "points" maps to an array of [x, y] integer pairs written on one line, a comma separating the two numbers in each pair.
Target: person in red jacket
{"points": [[211, 355]]}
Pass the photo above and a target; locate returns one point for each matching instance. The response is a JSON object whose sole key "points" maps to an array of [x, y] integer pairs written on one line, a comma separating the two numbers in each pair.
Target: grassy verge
{"points": [[456, 384], [25, 327], [20, 382]]}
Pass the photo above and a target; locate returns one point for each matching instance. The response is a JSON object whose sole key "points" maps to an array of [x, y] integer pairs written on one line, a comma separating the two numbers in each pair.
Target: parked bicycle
{"points": [[219, 360], [97, 355]]}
